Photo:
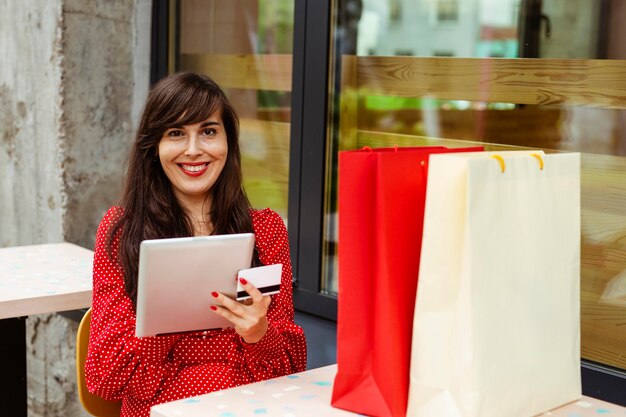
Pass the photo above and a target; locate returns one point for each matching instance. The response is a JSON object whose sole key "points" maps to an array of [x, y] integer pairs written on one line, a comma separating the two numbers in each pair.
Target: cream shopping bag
{"points": [[496, 330]]}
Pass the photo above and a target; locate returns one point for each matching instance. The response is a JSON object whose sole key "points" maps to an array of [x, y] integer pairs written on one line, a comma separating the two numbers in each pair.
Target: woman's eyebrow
{"points": [[209, 123]]}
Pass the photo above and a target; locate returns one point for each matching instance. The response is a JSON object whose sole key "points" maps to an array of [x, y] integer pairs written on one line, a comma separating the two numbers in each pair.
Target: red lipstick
{"points": [[193, 172]]}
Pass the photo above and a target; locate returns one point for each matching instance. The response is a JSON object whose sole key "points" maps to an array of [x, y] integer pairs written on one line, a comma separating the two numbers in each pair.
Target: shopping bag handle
{"points": [[539, 158], [500, 159]]}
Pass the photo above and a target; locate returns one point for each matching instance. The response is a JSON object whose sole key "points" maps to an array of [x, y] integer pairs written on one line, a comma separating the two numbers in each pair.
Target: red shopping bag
{"points": [[381, 212]]}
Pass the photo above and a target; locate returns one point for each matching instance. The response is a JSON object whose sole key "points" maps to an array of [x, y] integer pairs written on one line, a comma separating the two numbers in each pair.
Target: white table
{"points": [[35, 279], [308, 394]]}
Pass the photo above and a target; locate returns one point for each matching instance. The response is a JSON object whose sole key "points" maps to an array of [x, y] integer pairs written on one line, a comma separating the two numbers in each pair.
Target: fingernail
{"points": [[214, 294], [243, 281], [213, 308]]}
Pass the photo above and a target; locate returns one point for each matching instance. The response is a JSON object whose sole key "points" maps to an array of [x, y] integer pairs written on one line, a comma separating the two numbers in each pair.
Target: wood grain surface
{"points": [[563, 82], [254, 72]]}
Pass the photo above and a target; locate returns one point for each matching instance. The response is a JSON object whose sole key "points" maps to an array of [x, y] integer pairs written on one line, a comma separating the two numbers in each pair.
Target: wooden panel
{"points": [[254, 72], [265, 163], [603, 269], [603, 337], [593, 83]]}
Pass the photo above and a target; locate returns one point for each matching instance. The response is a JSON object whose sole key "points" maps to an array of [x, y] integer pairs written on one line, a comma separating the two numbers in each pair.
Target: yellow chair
{"points": [[94, 405]]}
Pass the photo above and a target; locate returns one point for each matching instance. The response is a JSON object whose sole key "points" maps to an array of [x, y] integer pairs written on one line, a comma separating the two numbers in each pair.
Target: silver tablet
{"points": [[177, 276]]}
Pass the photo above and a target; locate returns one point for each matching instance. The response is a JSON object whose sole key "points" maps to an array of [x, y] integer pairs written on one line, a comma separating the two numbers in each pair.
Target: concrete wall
{"points": [[74, 75], [32, 197], [98, 89]]}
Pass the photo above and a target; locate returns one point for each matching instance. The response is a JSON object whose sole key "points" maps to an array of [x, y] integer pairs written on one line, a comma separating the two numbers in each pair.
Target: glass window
{"points": [[545, 74], [446, 11], [246, 47]]}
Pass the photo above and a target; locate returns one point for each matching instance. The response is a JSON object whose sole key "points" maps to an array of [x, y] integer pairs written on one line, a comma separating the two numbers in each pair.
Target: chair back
{"points": [[93, 404]]}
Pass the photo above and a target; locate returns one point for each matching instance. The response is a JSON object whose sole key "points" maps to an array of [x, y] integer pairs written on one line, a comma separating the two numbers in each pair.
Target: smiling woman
{"points": [[184, 179]]}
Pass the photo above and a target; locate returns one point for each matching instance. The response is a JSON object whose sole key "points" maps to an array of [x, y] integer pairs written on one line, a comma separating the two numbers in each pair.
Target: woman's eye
{"points": [[209, 132], [174, 133]]}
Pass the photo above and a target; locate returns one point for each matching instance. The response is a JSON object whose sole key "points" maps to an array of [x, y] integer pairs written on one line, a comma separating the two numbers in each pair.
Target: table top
{"points": [[45, 278], [307, 394]]}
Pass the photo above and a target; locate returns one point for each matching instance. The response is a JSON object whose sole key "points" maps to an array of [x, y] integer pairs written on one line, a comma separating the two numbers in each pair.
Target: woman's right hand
{"points": [[249, 319]]}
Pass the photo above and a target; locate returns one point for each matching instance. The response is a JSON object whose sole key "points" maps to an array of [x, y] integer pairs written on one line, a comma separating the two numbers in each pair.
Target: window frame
{"points": [[160, 48], [308, 152]]}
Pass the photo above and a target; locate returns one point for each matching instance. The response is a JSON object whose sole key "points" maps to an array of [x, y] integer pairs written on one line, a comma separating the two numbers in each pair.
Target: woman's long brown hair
{"points": [[150, 208]]}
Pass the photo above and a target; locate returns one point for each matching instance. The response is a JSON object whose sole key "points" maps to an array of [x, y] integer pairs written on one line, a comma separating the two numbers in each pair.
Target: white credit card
{"points": [[265, 278]]}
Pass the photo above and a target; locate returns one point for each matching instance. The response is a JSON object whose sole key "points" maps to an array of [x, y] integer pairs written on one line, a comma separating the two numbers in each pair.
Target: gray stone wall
{"points": [[51, 347], [32, 197], [98, 96], [74, 75]]}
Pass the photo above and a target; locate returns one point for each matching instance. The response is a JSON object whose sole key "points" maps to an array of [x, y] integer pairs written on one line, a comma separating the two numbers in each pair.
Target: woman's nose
{"points": [[193, 147]]}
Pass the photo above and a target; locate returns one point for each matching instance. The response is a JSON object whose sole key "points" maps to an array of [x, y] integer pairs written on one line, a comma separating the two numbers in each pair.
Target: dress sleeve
{"points": [[118, 363], [282, 350]]}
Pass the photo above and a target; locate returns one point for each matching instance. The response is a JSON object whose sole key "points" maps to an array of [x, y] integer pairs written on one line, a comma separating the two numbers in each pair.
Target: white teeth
{"points": [[193, 168]]}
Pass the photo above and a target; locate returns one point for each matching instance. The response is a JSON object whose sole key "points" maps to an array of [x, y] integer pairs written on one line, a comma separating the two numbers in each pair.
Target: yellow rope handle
{"points": [[500, 160], [539, 158]]}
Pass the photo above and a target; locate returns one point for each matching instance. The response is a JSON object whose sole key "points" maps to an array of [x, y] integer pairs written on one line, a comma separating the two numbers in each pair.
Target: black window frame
{"points": [[310, 90], [159, 43], [310, 97]]}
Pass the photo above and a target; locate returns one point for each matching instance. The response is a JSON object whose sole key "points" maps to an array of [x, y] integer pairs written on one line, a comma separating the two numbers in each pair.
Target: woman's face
{"points": [[193, 157]]}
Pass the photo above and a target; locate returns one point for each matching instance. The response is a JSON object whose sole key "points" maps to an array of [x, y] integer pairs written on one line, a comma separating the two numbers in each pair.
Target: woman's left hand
{"points": [[250, 319]]}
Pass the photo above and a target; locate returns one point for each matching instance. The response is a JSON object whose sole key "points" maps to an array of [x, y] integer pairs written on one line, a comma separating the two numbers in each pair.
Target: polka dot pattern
{"points": [[146, 371]]}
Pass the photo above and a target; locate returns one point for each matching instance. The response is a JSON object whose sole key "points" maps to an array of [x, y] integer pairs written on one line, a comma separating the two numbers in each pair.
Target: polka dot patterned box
{"points": [[308, 394], [44, 278]]}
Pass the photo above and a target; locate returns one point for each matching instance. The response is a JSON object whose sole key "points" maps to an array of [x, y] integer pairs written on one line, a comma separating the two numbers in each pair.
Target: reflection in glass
{"points": [[429, 72]]}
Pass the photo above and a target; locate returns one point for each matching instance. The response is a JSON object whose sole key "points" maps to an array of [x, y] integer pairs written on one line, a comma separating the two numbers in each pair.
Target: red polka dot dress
{"points": [[146, 371]]}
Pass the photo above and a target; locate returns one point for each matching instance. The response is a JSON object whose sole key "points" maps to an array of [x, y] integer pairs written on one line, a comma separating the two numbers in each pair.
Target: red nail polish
{"points": [[243, 281], [214, 294], [213, 308]]}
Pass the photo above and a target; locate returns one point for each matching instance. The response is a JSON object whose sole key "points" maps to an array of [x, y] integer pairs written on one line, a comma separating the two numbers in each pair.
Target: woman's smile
{"points": [[194, 169]]}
